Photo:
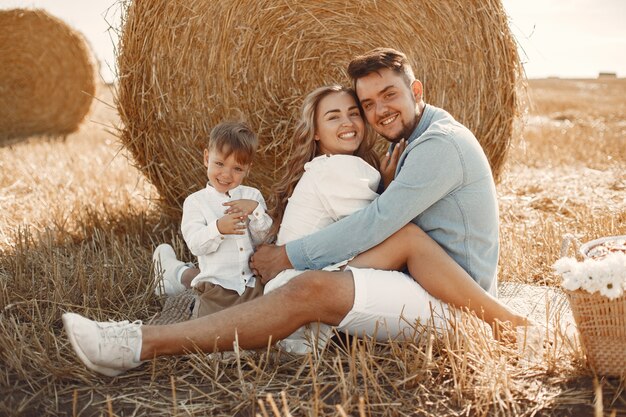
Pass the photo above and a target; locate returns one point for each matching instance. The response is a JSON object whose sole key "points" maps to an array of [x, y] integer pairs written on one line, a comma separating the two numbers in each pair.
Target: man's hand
{"points": [[388, 163], [242, 205], [232, 224], [268, 261]]}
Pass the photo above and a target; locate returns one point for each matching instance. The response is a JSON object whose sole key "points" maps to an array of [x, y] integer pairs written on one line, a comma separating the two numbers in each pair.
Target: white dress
{"points": [[332, 187]]}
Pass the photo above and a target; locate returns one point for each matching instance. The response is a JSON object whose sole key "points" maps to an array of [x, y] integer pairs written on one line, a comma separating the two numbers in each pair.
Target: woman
{"points": [[316, 189], [330, 175]]}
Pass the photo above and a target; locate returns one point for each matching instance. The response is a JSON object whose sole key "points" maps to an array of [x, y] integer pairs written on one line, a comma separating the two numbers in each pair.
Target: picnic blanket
{"points": [[545, 305]]}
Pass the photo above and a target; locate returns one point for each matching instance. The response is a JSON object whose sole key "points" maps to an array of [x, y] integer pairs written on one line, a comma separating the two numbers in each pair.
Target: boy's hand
{"points": [[389, 163], [243, 205], [232, 224]]}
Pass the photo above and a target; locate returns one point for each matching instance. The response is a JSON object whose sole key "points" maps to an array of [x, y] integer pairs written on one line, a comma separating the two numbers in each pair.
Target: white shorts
{"points": [[388, 304]]}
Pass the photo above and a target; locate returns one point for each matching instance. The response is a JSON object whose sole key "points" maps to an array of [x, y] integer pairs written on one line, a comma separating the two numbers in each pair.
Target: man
{"points": [[443, 184]]}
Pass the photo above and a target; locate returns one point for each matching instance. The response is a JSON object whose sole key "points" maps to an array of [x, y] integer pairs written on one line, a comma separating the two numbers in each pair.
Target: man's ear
{"points": [[418, 90], [206, 157]]}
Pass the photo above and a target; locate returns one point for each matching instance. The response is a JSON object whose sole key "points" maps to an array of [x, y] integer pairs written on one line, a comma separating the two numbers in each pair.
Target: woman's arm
{"points": [[389, 163]]}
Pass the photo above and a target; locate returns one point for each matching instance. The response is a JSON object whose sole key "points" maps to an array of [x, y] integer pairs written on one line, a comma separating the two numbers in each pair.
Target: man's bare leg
{"points": [[436, 272], [313, 296]]}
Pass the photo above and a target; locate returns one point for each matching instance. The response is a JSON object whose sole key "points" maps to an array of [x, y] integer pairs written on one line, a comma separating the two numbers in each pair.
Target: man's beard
{"points": [[405, 133]]}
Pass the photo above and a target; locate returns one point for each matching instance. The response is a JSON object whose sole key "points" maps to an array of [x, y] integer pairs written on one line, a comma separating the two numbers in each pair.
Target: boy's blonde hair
{"points": [[234, 137]]}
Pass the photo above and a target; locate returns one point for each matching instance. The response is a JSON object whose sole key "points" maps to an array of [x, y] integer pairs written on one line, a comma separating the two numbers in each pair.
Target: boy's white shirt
{"points": [[223, 259]]}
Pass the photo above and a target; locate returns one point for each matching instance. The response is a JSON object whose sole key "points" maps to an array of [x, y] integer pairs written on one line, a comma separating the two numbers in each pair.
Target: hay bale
{"points": [[47, 76], [185, 66]]}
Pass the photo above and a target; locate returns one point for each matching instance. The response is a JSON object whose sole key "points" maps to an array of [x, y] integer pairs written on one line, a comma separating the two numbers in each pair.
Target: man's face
{"points": [[390, 105]]}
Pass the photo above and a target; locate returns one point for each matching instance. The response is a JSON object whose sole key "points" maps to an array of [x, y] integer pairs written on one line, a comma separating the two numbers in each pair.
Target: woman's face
{"points": [[339, 127]]}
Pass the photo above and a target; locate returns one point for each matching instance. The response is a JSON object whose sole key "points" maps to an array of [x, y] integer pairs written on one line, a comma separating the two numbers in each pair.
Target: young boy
{"points": [[221, 225]]}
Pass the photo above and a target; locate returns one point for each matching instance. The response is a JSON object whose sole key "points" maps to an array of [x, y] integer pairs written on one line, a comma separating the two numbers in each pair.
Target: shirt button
{"points": [[222, 237], [241, 249], [243, 273]]}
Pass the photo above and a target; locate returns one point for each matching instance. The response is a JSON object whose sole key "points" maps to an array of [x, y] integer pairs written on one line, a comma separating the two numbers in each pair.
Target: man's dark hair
{"points": [[380, 58]]}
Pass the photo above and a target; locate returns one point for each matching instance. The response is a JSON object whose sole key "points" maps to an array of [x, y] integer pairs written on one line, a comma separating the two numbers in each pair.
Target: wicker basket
{"points": [[589, 246], [601, 323], [602, 326]]}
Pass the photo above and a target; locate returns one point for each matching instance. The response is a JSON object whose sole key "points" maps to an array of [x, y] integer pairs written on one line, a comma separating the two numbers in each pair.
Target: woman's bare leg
{"points": [[313, 296], [436, 272]]}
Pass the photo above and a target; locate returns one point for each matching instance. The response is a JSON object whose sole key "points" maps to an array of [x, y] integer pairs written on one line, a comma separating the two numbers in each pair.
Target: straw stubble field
{"points": [[78, 224]]}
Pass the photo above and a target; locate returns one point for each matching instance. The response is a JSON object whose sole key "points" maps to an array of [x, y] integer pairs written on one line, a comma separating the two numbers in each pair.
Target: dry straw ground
{"points": [[77, 228]]}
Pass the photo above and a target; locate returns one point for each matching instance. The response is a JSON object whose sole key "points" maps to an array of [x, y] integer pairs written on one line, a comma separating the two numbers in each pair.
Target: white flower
{"points": [[606, 275], [569, 269], [571, 283], [565, 265], [611, 287], [591, 275], [616, 263]]}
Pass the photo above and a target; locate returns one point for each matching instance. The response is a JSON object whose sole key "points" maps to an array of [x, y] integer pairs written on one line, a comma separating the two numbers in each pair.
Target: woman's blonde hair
{"points": [[305, 148]]}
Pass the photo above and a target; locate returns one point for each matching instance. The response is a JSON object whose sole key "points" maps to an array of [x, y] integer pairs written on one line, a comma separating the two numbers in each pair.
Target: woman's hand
{"points": [[243, 205], [233, 223], [389, 163]]}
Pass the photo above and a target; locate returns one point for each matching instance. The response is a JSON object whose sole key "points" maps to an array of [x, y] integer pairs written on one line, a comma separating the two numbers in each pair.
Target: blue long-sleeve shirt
{"points": [[443, 184]]}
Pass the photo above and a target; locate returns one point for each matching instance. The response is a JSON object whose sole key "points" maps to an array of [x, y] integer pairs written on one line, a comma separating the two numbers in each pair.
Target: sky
{"points": [[560, 38]]}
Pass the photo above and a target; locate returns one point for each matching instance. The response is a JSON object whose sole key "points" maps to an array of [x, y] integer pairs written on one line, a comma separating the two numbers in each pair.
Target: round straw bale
{"points": [[186, 66], [47, 76]]}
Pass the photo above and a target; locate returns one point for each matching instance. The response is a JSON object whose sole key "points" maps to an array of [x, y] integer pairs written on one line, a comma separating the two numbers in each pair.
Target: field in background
{"points": [[78, 225], [568, 175]]}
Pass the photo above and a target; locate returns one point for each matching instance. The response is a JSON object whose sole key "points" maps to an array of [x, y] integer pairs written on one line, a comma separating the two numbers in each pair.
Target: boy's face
{"points": [[224, 173]]}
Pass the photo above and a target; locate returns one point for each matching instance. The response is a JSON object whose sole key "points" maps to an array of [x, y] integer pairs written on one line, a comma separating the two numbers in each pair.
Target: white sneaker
{"points": [[109, 348], [166, 268]]}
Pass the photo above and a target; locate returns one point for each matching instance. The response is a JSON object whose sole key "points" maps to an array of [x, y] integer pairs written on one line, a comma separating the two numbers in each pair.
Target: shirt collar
{"points": [[424, 123], [212, 190]]}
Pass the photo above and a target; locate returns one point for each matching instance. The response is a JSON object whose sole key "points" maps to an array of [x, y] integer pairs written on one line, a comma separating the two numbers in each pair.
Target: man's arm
{"points": [[431, 170], [342, 184]]}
